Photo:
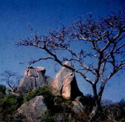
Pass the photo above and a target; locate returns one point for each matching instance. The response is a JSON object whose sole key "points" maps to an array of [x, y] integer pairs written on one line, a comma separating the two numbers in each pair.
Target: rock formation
{"points": [[33, 109], [65, 84], [78, 107], [34, 77]]}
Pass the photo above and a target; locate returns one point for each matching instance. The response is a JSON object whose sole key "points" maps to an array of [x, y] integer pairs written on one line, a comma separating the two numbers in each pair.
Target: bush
{"points": [[88, 103], [114, 112], [8, 105], [18, 118], [28, 96], [48, 117], [45, 91], [2, 88], [1, 96]]}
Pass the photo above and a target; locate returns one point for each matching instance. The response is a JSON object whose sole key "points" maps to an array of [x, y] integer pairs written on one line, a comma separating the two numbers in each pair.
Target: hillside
{"points": [[39, 98]]}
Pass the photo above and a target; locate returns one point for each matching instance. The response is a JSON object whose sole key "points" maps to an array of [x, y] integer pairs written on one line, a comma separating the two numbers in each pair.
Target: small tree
{"points": [[101, 52], [11, 79]]}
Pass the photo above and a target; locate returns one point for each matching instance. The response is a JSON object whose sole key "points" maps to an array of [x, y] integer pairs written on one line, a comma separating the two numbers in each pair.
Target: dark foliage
{"points": [[8, 105], [59, 109], [2, 88], [88, 101]]}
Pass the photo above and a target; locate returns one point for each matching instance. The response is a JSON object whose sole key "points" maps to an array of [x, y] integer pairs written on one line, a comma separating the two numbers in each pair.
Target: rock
{"points": [[34, 77], [35, 71], [78, 107], [7, 91], [65, 84], [70, 89], [57, 83], [33, 109]]}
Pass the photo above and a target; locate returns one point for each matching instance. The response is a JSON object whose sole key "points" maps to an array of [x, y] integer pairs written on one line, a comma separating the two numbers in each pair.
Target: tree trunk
{"points": [[95, 111], [98, 98], [93, 114], [97, 105]]}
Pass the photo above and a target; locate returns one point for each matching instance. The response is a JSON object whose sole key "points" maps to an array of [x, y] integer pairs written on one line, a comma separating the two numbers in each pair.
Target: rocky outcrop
{"points": [[33, 110], [34, 77], [65, 84]]}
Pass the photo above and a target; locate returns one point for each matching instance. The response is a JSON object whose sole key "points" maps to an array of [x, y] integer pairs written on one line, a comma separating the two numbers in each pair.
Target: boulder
{"points": [[65, 84], [33, 110], [78, 107], [35, 71], [34, 77], [57, 83], [7, 91]]}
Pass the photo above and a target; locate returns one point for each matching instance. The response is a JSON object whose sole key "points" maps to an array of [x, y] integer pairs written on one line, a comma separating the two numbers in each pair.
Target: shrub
{"points": [[2, 88], [48, 117], [29, 96], [45, 91], [88, 103], [1, 96], [114, 112], [18, 118], [8, 105]]}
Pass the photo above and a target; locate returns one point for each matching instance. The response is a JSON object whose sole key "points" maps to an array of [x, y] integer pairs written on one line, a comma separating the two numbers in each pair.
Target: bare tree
{"points": [[101, 52], [11, 79]]}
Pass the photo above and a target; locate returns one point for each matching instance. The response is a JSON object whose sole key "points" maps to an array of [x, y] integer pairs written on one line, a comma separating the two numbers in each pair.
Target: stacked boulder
{"points": [[64, 84], [34, 77]]}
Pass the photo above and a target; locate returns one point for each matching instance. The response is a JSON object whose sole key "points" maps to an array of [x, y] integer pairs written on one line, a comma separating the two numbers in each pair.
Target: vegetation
{"points": [[54, 103], [2, 88], [8, 105], [59, 109]]}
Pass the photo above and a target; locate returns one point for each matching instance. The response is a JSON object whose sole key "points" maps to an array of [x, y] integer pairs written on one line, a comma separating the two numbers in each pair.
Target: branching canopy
{"points": [[95, 47]]}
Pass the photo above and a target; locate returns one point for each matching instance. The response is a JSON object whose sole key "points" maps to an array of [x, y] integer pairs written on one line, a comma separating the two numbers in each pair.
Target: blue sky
{"points": [[18, 16]]}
